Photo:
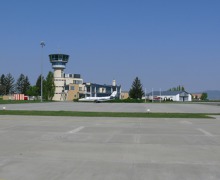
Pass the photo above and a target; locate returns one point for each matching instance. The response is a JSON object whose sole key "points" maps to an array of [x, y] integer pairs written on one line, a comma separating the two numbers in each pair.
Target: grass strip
{"points": [[105, 114]]}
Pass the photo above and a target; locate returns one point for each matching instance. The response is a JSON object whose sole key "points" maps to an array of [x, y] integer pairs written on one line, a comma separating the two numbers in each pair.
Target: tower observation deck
{"points": [[58, 61]]}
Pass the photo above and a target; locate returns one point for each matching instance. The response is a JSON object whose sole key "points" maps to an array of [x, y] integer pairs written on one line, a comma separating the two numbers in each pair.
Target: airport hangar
{"points": [[180, 96], [71, 86]]}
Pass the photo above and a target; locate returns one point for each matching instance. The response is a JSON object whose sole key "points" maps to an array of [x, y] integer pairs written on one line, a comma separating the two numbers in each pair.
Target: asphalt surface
{"points": [[67, 148], [118, 107]]}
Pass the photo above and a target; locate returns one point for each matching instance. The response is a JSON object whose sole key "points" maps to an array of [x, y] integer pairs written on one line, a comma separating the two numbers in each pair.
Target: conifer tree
{"points": [[9, 84], [136, 91], [2, 85], [22, 84]]}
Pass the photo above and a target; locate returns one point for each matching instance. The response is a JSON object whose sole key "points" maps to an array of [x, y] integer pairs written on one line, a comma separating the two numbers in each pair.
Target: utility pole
{"points": [[41, 80]]}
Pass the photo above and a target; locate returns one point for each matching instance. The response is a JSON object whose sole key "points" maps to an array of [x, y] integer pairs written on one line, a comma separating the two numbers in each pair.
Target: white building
{"points": [[180, 96]]}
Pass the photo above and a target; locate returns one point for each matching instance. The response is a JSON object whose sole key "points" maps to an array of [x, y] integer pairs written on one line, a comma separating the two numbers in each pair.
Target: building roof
{"points": [[100, 85]]}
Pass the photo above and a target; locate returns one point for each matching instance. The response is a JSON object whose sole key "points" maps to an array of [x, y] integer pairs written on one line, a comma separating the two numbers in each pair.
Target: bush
{"points": [[128, 100]]}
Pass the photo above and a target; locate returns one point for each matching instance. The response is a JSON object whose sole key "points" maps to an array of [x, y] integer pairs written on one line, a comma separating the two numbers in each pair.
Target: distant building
{"points": [[197, 96], [74, 91], [100, 90], [180, 96], [124, 95], [71, 86]]}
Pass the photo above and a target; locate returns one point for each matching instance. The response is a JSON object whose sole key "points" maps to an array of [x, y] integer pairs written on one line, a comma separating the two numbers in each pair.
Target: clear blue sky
{"points": [[165, 43]]}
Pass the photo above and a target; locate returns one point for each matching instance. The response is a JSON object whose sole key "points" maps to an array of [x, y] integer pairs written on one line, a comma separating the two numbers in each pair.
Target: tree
{"points": [[2, 80], [26, 85], [136, 91], [19, 84], [9, 84], [38, 85], [2, 85], [2, 90], [22, 84], [32, 91], [49, 87], [204, 96], [178, 88]]}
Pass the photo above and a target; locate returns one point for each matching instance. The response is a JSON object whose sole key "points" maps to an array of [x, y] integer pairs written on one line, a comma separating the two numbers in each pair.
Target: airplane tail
{"points": [[113, 94]]}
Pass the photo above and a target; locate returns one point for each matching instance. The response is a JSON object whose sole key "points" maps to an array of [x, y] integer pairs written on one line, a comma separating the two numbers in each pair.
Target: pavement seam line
{"points": [[76, 130], [205, 132]]}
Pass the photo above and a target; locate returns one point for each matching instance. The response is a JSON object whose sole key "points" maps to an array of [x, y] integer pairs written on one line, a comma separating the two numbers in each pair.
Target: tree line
{"points": [[178, 88], [8, 86]]}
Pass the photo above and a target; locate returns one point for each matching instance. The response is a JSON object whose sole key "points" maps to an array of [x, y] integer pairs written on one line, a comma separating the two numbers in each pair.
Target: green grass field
{"points": [[105, 114]]}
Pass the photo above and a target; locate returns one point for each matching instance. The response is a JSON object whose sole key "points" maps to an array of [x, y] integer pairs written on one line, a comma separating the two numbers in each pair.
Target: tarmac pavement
{"points": [[118, 107], [89, 148]]}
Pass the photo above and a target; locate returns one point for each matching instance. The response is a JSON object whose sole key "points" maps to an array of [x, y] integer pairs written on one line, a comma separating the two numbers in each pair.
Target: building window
{"points": [[102, 90], [67, 88], [77, 82], [71, 87]]}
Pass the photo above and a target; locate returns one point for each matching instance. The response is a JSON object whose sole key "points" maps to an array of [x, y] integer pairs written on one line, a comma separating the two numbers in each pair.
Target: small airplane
{"points": [[99, 99]]}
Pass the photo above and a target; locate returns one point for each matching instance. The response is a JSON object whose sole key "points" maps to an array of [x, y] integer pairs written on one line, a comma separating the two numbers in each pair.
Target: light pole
{"points": [[152, 95], [41, 80]]}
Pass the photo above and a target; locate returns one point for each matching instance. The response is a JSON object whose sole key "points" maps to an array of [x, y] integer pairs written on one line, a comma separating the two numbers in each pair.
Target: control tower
{"points": [[58, 62]]}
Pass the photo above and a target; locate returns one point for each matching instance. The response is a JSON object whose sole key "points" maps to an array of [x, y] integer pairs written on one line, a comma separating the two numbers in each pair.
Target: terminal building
{"points": [[71, 86]]}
